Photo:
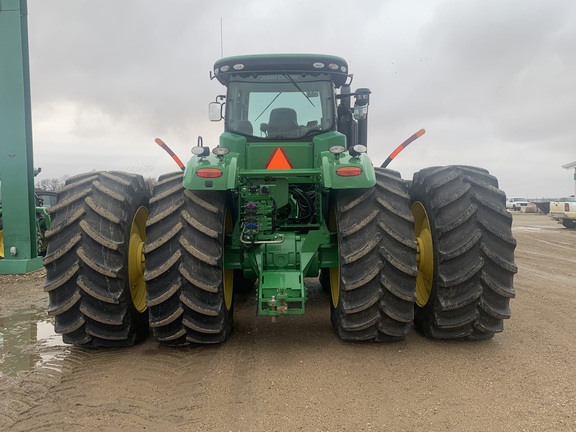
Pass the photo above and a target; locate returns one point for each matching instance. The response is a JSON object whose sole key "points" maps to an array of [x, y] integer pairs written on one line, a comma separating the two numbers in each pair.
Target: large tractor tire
{"points": [[465, 253], [190, 294], [569, 223], [95, 262], [374, 288]]}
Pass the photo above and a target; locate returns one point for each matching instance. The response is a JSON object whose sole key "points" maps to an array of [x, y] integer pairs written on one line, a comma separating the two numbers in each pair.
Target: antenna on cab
{"points": [[221, 39]]}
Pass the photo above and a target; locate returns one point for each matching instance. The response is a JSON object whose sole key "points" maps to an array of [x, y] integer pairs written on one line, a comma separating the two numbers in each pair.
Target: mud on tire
{"points": [[471, 264], [373, 292], [88, 270], [189, 293]]}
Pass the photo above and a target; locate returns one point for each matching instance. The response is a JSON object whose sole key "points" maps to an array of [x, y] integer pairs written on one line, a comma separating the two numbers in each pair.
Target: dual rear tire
{"points": [[438, 252], [101, 293]]}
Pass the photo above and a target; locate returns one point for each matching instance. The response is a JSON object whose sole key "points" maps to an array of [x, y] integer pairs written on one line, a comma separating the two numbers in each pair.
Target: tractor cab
{"points": [[290, 97], [280, 106]]}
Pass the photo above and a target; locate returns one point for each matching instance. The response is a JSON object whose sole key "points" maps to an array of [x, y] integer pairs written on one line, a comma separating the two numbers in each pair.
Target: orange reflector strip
{"points": [[395, 152], [209, 173], [349, 171], [278, 161]]}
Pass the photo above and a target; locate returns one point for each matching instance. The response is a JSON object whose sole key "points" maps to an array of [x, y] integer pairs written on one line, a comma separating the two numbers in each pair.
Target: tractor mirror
{"points": [[215, 111]]}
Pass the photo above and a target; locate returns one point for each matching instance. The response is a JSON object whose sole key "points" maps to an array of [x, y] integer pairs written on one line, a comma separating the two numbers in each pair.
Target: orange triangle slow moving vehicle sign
{"points": [[278, 161]]}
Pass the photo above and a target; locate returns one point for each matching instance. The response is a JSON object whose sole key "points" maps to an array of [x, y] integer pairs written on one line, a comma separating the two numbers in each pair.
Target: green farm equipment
{"points": [[42, 224], [289, 193]]}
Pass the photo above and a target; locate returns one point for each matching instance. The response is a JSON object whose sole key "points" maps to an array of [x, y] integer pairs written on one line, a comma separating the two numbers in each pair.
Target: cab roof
{"points": [[228, 67]]}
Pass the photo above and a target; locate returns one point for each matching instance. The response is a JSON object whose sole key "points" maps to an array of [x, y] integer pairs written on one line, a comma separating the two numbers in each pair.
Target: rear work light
{"points": [[349, 171], [209, 173]]}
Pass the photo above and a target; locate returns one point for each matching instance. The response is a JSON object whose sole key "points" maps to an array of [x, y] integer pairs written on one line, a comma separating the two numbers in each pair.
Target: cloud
{"points": [[491, 81]]}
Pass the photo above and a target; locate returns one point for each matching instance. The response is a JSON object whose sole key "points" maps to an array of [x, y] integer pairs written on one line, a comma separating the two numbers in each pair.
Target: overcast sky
{"points": [[493, 82]]}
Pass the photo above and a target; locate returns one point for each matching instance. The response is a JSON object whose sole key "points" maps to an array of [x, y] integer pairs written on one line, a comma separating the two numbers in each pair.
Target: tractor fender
{"points": [[330, 165], [211, 172]]}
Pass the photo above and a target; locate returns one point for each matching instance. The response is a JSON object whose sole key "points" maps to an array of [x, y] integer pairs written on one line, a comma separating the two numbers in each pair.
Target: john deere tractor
{"points": [[288, 193]]}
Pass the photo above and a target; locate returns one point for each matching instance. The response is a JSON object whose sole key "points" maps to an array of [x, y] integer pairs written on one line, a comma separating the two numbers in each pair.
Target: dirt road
{"points": [[296, 374]]}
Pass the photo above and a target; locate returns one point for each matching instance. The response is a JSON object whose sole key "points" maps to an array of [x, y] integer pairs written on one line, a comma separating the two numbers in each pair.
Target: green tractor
{"points": [[42, 224], [289, 193]]}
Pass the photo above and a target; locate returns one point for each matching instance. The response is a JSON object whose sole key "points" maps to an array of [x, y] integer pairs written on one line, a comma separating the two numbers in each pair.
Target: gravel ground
{"points": [[297, 375]]}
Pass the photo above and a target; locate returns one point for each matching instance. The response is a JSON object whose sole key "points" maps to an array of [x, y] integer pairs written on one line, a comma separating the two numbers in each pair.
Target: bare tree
{"points": [[51, 184]]}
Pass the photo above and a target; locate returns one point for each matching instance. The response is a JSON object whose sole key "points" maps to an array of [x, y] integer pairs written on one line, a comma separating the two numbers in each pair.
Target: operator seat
{"points": [[282, 120], [243, 126]]}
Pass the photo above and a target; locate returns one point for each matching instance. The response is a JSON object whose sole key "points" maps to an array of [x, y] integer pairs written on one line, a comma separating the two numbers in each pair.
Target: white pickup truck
{"points": [[516, 203], [564, 211]]}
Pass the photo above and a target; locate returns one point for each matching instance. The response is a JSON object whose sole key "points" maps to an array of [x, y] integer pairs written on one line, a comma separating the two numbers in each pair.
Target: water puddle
{"points": [[28, 341]]}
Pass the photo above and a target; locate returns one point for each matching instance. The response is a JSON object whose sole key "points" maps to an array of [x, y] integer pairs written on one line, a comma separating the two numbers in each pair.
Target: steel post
{"points": [[16, 159]]}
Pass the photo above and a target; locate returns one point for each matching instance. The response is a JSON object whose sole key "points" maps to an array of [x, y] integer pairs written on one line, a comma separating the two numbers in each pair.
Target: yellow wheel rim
{"points": [[335, 285], [136, 259], [425, 254], [228, 274], [334, 271], [1, 243]]}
